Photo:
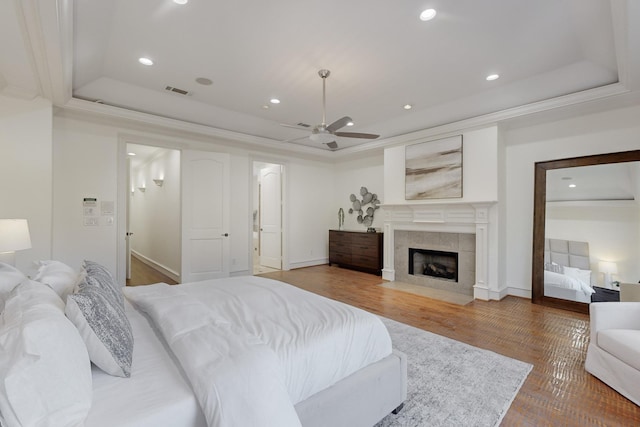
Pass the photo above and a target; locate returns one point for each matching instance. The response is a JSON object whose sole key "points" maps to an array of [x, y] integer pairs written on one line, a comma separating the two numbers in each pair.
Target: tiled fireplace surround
{"points": [[460, 227]]}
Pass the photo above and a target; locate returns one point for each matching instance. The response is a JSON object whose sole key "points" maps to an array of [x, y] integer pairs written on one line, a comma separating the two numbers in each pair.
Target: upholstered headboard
{"points": [[567, 253]]}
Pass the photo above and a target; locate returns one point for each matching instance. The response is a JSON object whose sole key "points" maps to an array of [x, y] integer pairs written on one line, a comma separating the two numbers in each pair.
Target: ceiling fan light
{"points": [[322, 137]]}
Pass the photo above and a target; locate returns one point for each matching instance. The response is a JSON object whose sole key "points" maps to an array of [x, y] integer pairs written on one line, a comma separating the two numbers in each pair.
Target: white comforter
{"points": [[253, 347], [563, 281]]}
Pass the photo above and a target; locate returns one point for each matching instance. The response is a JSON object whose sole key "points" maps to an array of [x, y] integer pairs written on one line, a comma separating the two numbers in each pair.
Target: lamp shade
{"points": [[14, 235], [608, 267]]}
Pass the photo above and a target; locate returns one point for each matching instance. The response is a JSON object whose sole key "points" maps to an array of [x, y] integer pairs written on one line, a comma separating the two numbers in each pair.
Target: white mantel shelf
{"points": [[450, 216]]}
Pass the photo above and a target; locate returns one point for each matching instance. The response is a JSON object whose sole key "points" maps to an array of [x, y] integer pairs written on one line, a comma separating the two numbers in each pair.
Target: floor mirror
{"points": [[586, 229]]}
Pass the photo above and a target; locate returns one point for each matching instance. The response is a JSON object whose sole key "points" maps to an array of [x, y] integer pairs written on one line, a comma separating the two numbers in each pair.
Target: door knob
{"points": [[225, 235]]}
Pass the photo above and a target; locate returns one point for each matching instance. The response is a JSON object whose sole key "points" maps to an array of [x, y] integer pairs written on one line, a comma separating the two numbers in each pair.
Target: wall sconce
{"points": [[608, 268], [142, 189], [14, 236], [159, 182]]}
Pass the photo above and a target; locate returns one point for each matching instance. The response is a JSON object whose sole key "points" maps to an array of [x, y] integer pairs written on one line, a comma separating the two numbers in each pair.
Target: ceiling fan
{"points": [[326, 134]]}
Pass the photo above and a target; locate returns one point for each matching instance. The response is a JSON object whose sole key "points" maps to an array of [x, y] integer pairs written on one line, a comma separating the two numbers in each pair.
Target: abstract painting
{"points": [[433, 169]]}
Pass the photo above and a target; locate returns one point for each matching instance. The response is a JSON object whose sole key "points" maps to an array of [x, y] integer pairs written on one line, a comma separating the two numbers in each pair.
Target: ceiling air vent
{"points": [[304, 125], [176, 90]]}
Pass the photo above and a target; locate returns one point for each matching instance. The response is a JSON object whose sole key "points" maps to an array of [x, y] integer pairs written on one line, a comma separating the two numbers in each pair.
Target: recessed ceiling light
{"points": [[181, 1], [427, 14], [131, 154], [491, 77], [266, 107], [145, 61], [274, 101], [407, 106], [349, 123], [572, 186], [204, 81]]}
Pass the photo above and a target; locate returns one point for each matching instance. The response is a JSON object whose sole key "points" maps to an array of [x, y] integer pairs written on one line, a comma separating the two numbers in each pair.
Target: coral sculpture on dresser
{"points": [[365, 214]]}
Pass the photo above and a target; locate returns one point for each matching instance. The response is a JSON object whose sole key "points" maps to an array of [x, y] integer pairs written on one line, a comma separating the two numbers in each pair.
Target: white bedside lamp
{"points": [[608, 268], [14, 236]]}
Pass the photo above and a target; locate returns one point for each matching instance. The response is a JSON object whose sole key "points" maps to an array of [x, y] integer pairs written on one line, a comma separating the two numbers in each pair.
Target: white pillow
{"points": [[583, 275], [10, 277], [104, 328], [59, 276], [43, 363]]}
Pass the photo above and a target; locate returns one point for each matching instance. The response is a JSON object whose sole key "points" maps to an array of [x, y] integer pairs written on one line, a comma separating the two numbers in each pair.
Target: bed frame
{"points": [[361, 399], [567, 253]]}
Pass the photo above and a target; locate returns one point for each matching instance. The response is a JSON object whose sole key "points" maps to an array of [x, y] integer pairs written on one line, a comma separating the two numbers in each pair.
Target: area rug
{"points": [[451, 383]]}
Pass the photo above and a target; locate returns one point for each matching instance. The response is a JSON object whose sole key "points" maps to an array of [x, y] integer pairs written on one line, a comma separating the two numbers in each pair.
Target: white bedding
{"points": [[297, 343], [566, 282], [157, 394]]}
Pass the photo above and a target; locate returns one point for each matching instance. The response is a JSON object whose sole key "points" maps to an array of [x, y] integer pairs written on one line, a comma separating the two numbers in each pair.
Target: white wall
{"points": [[310, 209], [25, 172], [611, 131], [349, 176], [155, 213], [611, 229], [479, 169], [84, 165]]}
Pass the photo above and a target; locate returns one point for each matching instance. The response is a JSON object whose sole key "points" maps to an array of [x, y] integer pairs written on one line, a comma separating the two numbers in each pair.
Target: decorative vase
{"points": [[340, 219]]}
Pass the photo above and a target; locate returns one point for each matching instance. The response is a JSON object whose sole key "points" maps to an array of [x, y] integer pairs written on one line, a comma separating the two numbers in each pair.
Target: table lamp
{"points": [[608, 268], [14, 236]]}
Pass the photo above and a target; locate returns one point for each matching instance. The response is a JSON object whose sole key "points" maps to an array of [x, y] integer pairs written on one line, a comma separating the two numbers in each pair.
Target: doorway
{"points": [[153, 215], [267, 217]]}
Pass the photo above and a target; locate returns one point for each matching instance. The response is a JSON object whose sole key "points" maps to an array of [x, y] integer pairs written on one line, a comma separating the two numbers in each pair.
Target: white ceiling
{"points": [[617, 181], [548, 53]]}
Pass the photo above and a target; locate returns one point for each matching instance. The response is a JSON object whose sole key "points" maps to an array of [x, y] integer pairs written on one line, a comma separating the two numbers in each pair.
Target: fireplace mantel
{"points": [[452, 217]]}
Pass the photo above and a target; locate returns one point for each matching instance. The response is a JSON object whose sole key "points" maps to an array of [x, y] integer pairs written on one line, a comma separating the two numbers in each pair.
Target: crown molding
{"points": [[119, 116], [570, 100]]}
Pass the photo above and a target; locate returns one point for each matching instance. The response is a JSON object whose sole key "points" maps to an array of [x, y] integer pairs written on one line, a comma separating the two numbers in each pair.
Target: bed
{"points": [[237, 351], [567, 270]]}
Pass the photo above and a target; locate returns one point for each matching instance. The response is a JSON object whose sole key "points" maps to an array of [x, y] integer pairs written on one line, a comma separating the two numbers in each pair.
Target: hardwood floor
{"points": [[142, 274], [558, 391]]}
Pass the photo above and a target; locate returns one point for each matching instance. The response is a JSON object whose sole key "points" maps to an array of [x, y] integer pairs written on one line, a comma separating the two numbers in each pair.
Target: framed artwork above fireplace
{"points": [[433, 169]]}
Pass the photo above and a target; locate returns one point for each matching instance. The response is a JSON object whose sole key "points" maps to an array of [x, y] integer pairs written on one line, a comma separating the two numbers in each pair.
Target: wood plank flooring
{"points": [[557, 392], [142, 274]]}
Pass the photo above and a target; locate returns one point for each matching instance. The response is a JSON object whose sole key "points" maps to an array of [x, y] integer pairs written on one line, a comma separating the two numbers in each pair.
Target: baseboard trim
{"points": [[310, 263], [156, 266], [517, 292]]}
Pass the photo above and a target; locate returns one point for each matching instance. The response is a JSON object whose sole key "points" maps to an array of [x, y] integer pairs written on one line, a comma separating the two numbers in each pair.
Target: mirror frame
{"points": [[539, 214]]}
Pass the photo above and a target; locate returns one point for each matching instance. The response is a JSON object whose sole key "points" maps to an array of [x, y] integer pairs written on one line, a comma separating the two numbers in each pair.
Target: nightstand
{"points": [[604, 295]]}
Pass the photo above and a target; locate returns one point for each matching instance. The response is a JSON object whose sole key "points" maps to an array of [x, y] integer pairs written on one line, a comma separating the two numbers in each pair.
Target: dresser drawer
{"points": [[339, 247], [370, 262], [340, 258]]}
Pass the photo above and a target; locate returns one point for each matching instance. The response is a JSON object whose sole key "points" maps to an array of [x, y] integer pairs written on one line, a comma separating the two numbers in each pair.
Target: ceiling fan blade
{"points": [[294, 126], [338, 124], [300, 138], [357, 135], [333, 145]]}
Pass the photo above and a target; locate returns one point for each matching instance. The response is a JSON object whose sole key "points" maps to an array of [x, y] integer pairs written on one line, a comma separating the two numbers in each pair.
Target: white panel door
{"points": [[271, 217], [205, 215]]}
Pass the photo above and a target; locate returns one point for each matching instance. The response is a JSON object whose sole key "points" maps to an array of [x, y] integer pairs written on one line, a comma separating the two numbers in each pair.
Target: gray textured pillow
{"points": [[104, 327], [99, 276]]}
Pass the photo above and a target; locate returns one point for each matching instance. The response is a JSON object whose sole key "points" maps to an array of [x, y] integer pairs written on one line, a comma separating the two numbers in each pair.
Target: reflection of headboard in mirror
{"points": [[567, 253]]}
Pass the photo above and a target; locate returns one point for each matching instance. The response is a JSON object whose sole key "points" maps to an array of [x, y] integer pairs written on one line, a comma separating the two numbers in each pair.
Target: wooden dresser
{"points": [[357, 250]]}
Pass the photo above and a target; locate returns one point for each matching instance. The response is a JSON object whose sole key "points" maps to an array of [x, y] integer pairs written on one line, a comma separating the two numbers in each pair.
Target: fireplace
{"points": [[437, 264], [453, 227]]}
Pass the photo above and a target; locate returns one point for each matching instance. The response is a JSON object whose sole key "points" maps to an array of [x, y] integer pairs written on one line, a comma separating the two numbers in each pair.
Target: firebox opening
{"points": [[436, 264]]}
